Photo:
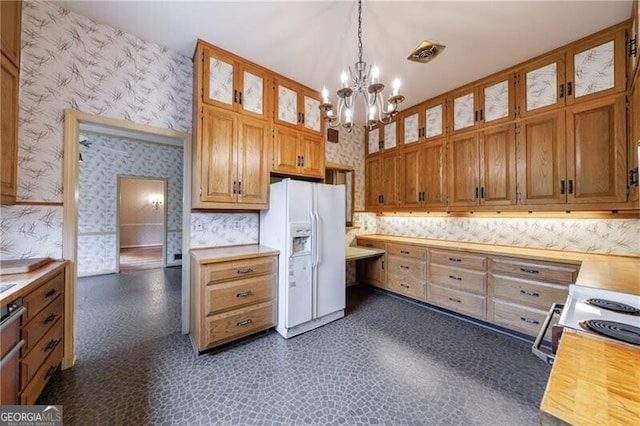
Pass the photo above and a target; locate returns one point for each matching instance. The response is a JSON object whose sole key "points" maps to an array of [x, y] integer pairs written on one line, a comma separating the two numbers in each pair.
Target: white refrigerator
{"points": [[306, 222]]}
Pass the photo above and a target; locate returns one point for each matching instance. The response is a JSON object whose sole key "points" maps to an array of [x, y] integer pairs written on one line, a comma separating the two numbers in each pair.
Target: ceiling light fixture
{"points": [[365, 82]]}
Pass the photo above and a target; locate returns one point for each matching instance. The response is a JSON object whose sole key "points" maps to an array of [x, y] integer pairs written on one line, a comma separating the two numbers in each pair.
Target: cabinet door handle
{"points": [[240, 98], [561, 91], [243, 322], [403, 285], [240, 187], [50, 293], [50, 318], [454, 259], [404, 267], [529, 271], [235, 96], [481, 114], [404, 252], [570, 187], [303, 118], [477, 191], [244, 271], [482, 192], [562, 187], [529, 320], [246, 293], [453, 277], [52, 344], [303, 155], [569, 88], [530, 293], [476, 115], [455, 300], [235, 187], [51, 371]]}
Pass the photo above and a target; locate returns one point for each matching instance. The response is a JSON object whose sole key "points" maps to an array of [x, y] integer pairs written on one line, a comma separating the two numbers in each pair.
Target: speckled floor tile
{"points": [[388, 361]]}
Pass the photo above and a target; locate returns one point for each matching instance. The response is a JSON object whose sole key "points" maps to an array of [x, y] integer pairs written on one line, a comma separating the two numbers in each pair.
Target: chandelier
{"points": [[365, 84]]}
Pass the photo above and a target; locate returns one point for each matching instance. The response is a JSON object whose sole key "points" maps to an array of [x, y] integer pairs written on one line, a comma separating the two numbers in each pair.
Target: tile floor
{"points": [[388, 361]]}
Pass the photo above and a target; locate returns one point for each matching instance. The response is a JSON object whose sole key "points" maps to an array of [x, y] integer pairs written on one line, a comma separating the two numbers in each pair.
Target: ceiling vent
{"points": [[425, 51]]}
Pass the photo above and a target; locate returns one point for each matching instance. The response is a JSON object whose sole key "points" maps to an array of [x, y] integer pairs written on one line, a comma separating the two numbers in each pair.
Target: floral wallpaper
{"points": [[104, 159], [614, 236], [593, 69], [30, 231], [224, 229], [349, 151]]}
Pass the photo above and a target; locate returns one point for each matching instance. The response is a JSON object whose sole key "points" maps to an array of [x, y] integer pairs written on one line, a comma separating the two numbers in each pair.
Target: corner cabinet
{"points": [[232, 131], [10, 30]]}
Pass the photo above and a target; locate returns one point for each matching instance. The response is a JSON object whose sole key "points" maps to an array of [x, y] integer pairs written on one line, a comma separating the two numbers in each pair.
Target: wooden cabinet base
{"points": [[30, 394], [239, 323]]}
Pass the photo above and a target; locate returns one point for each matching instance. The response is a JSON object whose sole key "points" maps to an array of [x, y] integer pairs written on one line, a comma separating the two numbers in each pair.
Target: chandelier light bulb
{"points": [[375, 73], [396, 87], [372, 113], [325, 95], [347, 115], [343, 79]]}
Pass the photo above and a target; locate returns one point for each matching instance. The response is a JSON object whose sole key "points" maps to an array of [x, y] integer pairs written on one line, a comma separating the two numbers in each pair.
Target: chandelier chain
{"points": [[360, 30]]}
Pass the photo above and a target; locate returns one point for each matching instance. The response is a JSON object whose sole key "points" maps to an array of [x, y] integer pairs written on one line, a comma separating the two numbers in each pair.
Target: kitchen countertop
{"points": [[25, 282], [592, 381], [223, 254], [356, 253]]}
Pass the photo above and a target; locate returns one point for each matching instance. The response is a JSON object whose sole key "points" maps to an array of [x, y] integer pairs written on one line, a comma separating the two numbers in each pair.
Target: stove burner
{"points": [[613, 306], [615, 330]]}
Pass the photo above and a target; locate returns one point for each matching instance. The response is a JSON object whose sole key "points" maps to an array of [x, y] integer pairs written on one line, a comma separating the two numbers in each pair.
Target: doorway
{"points": [[141, 223]]}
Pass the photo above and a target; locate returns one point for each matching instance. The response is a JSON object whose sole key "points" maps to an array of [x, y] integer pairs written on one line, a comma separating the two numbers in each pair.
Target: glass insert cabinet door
{"points": [[411, 128], [311, 113], [464, 111], [374, 141], [593, 69], [433, 119], [219, 71], [390, 135], [496, 101], [252, 93], [287, 105]]}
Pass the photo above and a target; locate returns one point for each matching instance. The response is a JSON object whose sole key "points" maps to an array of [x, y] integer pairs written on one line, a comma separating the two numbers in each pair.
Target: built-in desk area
{"points": [[357, 253]]}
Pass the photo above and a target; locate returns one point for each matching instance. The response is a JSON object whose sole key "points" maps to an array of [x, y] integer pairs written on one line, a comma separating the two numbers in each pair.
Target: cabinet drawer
{"points": [[233, 294], [459, 301], [462, 279], [42, 296], [373, 244], [456, 258], [526, 292], [238, 323], [553, 272], [407, 286], [238, 269], [407, 251], [32, 390], [407, 267], [37, 356], [520, 318], [42, 322]]}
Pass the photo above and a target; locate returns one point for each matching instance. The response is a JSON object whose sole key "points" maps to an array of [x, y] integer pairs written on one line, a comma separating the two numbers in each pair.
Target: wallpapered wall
{"points": [[349, 151], [105, 159]]}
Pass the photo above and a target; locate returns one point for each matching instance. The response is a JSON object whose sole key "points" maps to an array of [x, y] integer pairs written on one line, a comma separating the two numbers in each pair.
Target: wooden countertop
{"points": [[610, 272], [593, 381], [25, 282], [223, 254], [356, 253]]}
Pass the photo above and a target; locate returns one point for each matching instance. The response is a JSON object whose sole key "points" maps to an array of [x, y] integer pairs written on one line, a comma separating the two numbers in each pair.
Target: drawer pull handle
{"points": [[244, 293], [453, 259], [51, 371], [368, 245], [50, 293], [530, 321], [453, 277], [52, 344], [530, 293], [403, 285], [529, 271], [245, 271], [404, 252], [455, 300], [50, 318], [243, 322], [404, 267]]}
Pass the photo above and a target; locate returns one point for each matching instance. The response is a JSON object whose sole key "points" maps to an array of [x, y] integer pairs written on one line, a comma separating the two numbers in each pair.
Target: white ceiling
{"points": [[313, 41]]}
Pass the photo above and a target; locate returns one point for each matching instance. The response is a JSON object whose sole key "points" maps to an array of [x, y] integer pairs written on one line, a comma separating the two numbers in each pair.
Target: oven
{"points": [[604, 314]]}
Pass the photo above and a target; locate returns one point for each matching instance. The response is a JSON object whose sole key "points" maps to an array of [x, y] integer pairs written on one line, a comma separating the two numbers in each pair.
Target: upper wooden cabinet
{"points": [[232, 158], [463, 109], [463, 171], [422, 176], [382, 182], [597, 152], [585, 70], [297, 107], [374, 139], [633, 117], [298, 153], [423, 122], [10, 82], [373, 191], [10, 29], [390, 135], [497, 99], [632, 42], [231, 83]]}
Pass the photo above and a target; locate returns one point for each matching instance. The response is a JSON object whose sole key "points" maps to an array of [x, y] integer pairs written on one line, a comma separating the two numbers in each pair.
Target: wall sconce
{"points": [[156, 201]]}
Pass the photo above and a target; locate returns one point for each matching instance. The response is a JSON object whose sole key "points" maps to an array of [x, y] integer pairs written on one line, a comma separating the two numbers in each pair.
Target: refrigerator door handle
{"points": [[314, 240], [318, 258]]}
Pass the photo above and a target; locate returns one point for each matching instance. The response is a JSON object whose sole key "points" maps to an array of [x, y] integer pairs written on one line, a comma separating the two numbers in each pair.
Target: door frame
{"points": [[165, 184], [72, 120]]}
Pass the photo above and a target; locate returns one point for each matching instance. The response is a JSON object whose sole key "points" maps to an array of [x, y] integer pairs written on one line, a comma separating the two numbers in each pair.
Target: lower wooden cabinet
{"points": [[233, 293], [407, 270], [372, 271]]}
